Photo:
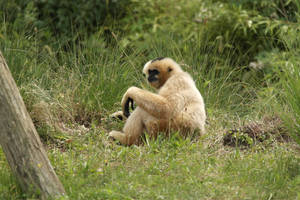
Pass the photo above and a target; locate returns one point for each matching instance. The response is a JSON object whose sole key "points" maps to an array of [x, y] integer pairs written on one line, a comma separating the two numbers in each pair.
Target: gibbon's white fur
{"points": [[177, 105]]}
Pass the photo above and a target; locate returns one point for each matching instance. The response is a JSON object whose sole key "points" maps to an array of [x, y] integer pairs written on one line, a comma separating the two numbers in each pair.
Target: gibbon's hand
{"points": [[127, 98]]}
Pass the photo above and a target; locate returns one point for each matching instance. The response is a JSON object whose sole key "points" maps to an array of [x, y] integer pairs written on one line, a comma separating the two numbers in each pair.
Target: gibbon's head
{"points": [[159, 70]]}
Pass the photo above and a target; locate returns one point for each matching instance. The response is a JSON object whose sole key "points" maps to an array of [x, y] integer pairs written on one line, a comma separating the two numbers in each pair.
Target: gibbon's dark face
{"points": [[153, 75], [159, 70]]}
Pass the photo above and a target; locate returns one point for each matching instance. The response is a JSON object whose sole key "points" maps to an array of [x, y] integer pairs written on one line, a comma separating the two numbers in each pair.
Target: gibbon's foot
{"points": [[118, 136], [122, 138], [112, 139], [118, 115], [115, 135]]}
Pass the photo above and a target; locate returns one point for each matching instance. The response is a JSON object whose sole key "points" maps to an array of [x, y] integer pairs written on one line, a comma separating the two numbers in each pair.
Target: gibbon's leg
{"points": [[153, 126], [154, 104], [133, 128]]}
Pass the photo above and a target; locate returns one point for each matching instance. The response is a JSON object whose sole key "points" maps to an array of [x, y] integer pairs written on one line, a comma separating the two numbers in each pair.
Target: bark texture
{"points": [[21, 143]]}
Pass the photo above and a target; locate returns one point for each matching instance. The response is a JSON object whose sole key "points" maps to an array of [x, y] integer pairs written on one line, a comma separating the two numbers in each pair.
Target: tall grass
{"points": [[92, 77], [291, 85], [292, 89]]}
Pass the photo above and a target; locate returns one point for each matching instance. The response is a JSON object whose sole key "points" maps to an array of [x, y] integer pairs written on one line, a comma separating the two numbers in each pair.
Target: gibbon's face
{"points": [[159, 70]]}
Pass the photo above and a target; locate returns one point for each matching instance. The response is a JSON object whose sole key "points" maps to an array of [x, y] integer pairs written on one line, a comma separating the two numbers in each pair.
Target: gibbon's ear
{"points": [[169, 69]]}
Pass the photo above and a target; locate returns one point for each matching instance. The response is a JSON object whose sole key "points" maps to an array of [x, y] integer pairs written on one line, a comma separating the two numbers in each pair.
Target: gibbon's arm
{"points": [[154, 104]]}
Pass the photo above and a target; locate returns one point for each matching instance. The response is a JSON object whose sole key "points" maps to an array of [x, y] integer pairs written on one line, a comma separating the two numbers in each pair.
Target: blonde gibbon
{"points": [[177, 105]]}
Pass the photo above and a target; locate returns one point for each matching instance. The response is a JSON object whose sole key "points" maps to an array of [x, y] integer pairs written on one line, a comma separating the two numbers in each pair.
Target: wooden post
{"points": [[21, 143]]}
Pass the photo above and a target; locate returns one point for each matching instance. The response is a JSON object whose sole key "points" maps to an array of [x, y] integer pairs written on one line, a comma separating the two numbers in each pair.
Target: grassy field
{"points": [[91, 167], [244, 62]]}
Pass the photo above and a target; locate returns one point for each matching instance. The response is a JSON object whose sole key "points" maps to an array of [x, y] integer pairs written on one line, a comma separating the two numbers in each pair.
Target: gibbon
{"points": [[177, 105]]}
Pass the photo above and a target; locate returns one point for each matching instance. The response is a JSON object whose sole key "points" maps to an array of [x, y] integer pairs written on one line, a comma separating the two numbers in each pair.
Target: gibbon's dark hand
{"points": [[126, 100], [126, 111]]}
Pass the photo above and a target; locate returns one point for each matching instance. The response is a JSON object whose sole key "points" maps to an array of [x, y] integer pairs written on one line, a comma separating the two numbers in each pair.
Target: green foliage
{"points": [[283, 9], [12, 10], [238, 30], [67, 18], [247, 31]]}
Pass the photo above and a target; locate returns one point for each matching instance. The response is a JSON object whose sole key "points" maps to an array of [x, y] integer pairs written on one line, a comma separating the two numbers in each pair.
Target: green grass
{"points": [[86, 84], [68, 85], [91, 167]]}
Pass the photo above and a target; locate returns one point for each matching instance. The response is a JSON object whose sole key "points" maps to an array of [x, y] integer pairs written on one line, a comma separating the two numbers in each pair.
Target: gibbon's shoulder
{"points": [[181, 78], [178, 82]]}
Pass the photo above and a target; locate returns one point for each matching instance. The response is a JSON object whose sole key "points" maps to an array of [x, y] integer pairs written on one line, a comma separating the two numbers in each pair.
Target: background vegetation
{"points": [[73, 60]]}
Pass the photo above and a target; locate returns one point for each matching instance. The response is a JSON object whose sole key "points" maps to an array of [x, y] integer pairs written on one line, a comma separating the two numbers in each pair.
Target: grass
{"points": [[91, 167], [70, 90], [83, 87]]}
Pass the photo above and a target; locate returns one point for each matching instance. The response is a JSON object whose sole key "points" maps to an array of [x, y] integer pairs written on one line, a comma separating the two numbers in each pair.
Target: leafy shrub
{"points": [[235, 29], [16, 15], [61, 18], [283, 9], [64, 17], [248, 27], [10, 10]]}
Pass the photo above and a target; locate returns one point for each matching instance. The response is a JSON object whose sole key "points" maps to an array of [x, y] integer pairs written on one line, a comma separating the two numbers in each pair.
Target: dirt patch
{"points": [[255, 132], [58, 126]]}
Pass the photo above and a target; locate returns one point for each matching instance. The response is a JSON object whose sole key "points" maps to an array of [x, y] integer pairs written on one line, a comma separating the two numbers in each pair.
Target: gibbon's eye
{"points": [[153, 72], [170, 69]]}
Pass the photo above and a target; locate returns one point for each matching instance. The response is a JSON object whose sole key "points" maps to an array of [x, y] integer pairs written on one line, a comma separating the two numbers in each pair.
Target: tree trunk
{"points": [[21, 144]]}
